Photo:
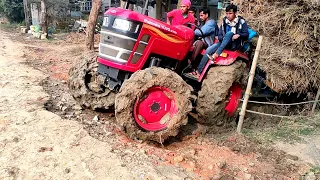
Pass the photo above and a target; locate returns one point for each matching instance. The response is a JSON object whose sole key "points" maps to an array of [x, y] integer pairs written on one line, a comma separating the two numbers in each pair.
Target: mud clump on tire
{"points": [[134, 88], [87, 86], [214, 93]]}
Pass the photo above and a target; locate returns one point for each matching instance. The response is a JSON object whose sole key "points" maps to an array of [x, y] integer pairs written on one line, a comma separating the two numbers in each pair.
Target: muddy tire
{"points": [[88, 87], [134, 90], [214, 93]]}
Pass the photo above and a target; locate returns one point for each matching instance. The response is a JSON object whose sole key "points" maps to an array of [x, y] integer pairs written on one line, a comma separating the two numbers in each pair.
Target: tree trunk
{"points": [[204, 3], [168, 5], [96, 5], [26, 13], [44, 25], [158, 9], [178, 5]]}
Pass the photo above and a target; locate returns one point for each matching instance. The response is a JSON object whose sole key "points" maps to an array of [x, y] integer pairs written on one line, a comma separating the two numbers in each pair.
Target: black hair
{"points": [[205, 11], [194, 9], [232, 7]]}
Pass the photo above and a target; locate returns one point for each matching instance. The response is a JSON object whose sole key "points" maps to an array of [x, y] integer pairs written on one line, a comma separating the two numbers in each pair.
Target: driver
{"points": [[209, 31], [181, 16]]}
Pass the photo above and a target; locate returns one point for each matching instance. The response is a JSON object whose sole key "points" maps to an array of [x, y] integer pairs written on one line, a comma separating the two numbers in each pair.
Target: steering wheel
{"points": [[196, 27]]}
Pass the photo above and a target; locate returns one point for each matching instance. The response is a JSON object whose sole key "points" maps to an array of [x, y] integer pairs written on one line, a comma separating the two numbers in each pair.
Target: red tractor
{"points": [[139, 72]]}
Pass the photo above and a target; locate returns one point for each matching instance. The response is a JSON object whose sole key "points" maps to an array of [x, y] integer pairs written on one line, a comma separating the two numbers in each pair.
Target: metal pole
{"points": [[249, 86], [316, 101]]}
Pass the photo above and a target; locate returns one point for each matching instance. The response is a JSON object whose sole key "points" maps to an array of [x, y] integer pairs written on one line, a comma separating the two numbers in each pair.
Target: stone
{"points": [[178, 159], [251, 164], [310, 176], [247, 176], [96, 118], [222, 164]]}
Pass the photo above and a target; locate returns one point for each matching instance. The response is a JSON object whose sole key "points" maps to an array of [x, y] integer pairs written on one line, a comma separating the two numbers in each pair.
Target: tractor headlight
{"points": [[125, 25], [106, 21]]}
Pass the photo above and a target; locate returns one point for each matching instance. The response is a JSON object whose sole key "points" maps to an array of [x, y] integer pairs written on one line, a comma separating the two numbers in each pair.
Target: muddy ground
{"points": [[46, 135]]}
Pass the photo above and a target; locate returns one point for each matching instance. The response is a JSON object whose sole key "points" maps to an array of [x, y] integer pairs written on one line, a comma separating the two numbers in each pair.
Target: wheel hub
{"points": [[234, 97], [155, 107], [154, 110]]}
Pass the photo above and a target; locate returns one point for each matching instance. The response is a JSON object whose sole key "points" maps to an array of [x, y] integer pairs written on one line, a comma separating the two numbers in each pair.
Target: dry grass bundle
{"points": [[290, 54]]}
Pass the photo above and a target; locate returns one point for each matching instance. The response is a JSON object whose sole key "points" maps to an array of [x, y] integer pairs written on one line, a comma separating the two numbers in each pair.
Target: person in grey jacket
{"points": [[208, 33]]}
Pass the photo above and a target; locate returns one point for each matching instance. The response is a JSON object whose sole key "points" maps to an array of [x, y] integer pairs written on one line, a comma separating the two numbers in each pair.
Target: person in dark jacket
{"points": [[232, 34]]}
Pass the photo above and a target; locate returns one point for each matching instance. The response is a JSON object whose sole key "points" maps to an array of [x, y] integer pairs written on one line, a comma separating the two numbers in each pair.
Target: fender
{"points": [[226, 58]]}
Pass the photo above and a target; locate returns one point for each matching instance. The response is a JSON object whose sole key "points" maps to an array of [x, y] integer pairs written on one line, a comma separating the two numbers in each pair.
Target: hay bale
{"points": [[290, 54]]}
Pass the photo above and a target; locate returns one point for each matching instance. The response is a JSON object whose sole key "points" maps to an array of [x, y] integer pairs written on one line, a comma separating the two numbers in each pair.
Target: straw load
{"points": [[290, 52]]}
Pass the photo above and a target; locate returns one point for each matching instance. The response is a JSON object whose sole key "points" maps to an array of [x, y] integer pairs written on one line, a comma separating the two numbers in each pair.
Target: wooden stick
{"points": [[316, 101], [249, 86]]}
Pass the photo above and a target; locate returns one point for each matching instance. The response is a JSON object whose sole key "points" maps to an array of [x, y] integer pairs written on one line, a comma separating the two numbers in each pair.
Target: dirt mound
{"points": [[79, 38], [290, 52]]}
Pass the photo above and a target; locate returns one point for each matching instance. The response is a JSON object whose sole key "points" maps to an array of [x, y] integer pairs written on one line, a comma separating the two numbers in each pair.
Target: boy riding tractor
{"points": [[139, 72]]}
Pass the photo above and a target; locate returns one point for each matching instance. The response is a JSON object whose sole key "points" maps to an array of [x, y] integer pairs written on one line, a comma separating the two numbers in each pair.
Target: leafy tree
{"points": [[12, 9]]}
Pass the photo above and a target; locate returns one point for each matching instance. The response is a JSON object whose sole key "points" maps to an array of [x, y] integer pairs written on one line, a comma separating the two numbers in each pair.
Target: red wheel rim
{"points": [[234, 97], [154, 109]]}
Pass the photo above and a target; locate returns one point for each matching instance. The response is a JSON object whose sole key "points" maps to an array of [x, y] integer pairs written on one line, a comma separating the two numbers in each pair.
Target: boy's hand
{"points": [[236, 36]]}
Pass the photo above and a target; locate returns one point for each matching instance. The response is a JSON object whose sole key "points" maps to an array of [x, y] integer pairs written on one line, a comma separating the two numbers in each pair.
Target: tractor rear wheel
{"points": [[153, 104], [88, 87], [216, 93]]}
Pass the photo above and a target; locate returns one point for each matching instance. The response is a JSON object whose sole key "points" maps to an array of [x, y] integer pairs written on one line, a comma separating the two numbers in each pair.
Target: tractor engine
{"points": [[131, 41]]}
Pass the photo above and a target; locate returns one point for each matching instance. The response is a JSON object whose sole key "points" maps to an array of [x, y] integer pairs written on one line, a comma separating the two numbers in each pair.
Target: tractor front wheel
{"points": [[153, 104], [88, 87]]}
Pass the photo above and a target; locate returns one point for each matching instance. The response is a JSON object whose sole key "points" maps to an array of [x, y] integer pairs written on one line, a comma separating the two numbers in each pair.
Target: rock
{"points": [[67, 170], [178, 159], [245, 169], [192, 152], [64, 108], [210, 167], [247, 176], [192, 164], [310, 176], [44, 36], [77, 107], [217, 176], [222, 164], [142, 151], [96, 118], [251, 164], [235, 149]]}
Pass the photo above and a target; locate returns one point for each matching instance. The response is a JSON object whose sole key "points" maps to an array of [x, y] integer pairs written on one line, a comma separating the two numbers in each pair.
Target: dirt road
{"points": [[37, 144]]}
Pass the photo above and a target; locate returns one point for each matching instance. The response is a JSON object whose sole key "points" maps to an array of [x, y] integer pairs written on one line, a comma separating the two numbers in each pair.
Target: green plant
{"points": [[12, 9]]}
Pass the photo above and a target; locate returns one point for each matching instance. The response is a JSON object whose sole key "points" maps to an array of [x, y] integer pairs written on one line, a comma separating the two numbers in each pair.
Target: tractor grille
{"points": [[115, 47]]}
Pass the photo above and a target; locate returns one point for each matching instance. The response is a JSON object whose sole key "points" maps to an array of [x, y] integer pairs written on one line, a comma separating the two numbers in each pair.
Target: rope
{"points": [[265, 114], [291, 104]]}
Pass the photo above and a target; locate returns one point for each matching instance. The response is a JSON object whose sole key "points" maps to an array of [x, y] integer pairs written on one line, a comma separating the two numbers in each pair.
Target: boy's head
{"points": [[185, 5], [204, 14], [231, 11], [193, 11]]}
